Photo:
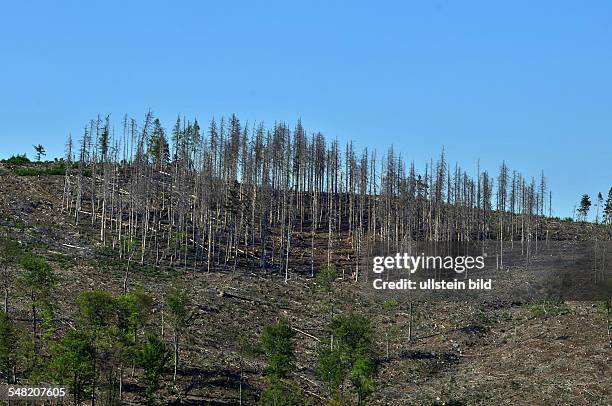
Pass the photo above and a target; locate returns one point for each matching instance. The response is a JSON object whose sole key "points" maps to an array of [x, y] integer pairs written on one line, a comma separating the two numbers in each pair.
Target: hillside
{"points": [[487, 350]]}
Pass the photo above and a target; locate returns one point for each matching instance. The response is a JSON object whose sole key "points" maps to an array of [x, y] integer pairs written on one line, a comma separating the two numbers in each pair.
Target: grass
{"points": [[548, 307], [57, 170]]}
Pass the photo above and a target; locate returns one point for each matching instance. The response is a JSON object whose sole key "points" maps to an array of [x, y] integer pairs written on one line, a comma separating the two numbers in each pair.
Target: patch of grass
{"points": [[57, 170], [548, 307], [505, 316]]}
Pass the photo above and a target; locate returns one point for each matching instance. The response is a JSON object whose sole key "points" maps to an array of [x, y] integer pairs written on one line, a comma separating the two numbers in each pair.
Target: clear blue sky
{"points": [[528, 82]]}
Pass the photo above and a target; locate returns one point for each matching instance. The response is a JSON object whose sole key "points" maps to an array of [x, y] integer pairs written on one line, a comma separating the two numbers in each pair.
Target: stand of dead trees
{"points": [[207, 199]]}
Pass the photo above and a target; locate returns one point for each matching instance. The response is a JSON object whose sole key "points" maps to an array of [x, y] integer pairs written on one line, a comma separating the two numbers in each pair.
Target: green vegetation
{"points": [[20, 169], [37, 280], [152, 357], [73, 364], [607, 210], [8, 348], [277, 345], [178, 302], [351, 357], [282, 392], [56, 170], [40, 151], [548, 307], [325, 286], [17, 160], [391, 331], [110, 335], [585, 205]]}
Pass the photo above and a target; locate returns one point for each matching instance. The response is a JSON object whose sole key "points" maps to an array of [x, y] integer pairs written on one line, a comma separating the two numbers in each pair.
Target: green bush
{"points": [[277, 344], [352, 357], [17, 160], [153, 358], [282, 392], [72, 364]]}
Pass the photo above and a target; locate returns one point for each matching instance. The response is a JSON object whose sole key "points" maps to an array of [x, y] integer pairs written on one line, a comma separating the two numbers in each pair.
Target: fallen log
{"points": [[305, 333], [224, 293]]}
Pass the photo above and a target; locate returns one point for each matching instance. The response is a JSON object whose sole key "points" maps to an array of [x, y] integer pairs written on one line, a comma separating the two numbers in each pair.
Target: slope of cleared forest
{"points": [[487, 351]]}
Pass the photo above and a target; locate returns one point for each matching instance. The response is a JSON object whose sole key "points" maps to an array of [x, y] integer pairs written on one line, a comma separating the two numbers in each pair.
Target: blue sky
{"points": [[528, 82]]}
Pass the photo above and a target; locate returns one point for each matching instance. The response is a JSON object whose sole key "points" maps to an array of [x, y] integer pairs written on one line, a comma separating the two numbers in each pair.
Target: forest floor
{"points": [[478, 351]]}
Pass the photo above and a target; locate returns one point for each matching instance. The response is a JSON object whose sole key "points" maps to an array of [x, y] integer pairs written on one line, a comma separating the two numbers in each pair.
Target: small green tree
{"points": [[325, 284], [390, 306], [325, 279], [38, 280], [40, 151], [178, 307], [277, 344], [10, 256], [282, 392], [598, 205], [153, 358], [72, 364], [351, 357], [159, 150], [331, 370], [362, 376], [133, 312], [585, 205], [97, 314], [47, 314], [96, 310], [8, 348], [608, 208]]}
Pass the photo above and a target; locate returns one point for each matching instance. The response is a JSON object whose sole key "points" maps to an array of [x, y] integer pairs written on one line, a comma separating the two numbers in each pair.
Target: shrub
{"points": [[72, 364], [277, 344], [17, 160], [153, 358], [352, 357], [282, 392]]}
